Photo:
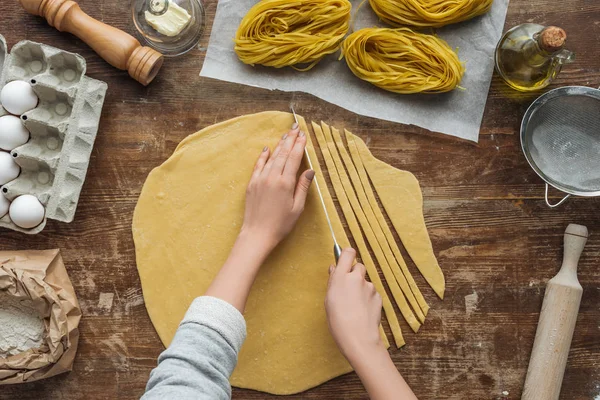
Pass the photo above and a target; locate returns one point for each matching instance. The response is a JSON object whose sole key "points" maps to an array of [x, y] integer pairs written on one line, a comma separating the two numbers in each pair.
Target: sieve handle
{"points": [[557, 204]]}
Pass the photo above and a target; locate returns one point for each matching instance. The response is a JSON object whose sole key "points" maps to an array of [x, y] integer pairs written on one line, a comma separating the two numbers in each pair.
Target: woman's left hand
{"points": [[275, 197]]}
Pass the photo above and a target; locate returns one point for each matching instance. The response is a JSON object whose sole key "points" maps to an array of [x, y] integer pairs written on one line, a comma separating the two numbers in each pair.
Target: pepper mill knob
{"points": [[118, 48]]}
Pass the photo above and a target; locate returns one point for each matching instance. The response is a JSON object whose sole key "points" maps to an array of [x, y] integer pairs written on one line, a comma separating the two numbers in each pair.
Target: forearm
{"points": [[234, 280], [202, 356], [380, 376]]}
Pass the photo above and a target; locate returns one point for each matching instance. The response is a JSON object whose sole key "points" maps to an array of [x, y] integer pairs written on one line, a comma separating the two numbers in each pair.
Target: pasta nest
{"points": [[402, 61], [428, 13], [281, 33]]}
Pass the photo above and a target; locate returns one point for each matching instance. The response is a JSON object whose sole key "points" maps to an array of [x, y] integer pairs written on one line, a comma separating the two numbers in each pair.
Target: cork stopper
{"points": [[552, 38]]}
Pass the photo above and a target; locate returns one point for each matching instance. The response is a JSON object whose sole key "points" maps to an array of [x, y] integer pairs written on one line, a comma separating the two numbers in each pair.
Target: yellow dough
{"points": [[388, 308], [377, 230], [191, 209], [364, 180], [402, 200], [187, 218], [366, 228]]}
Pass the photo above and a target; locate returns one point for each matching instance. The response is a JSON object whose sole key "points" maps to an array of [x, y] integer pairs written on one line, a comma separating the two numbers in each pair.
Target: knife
{"points": [[337, 250]]}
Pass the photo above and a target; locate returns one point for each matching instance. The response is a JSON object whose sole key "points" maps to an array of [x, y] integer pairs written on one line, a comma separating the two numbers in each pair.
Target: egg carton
{"points": [[63, 127]]}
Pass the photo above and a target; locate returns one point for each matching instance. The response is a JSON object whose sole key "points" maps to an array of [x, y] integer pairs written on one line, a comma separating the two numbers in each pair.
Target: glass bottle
{"points": [[530, 56]]}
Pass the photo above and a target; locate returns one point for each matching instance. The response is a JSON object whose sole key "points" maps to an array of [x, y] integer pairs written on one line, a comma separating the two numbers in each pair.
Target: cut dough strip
{"points": [[331, 210], [366, 228], [343, 240], [330, 205], [374, 223], [358, 238], [400, 194], [364, 179]]}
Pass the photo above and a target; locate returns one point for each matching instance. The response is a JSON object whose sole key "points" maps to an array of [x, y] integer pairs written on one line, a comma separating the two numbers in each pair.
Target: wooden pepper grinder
{"points": [[557, 323], [118, 48]]}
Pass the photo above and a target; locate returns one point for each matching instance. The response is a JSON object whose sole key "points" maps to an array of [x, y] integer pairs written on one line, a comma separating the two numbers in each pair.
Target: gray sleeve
{"points": [[202, 356]]}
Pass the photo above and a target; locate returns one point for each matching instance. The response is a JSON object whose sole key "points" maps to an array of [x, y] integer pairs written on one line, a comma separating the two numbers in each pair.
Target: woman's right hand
{"points": [[353, 308], [354, 312]]}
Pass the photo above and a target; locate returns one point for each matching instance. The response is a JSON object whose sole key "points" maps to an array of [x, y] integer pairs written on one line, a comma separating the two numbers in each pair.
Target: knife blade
{"points": [[337, 250]]}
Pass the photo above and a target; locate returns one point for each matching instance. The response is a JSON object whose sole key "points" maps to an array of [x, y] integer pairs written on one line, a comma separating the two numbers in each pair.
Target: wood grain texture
{"points": [[484, 208]]}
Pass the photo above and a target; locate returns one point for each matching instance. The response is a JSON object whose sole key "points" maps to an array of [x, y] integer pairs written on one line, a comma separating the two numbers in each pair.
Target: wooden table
{"points": [[496, 240]]}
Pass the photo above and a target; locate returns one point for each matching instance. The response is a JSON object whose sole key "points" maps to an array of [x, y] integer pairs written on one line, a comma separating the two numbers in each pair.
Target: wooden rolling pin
{"points": [[118, 48], [557, 323]]}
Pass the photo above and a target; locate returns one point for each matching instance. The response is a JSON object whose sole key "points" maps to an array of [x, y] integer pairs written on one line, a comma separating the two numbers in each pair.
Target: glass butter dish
{"points": [[172, 27]]}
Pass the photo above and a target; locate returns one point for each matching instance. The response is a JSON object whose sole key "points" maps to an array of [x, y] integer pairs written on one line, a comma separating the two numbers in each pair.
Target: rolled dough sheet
{"points": [[374, 225], [185, 223], [366, 185], [188, 216], [388, 308], [405, 309], [400, 194]]}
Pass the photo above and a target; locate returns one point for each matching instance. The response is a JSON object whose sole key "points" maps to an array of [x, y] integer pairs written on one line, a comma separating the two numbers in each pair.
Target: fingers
{"points": [[271, 161], [377, 297], [346, 260], [331, 271], [275, 153], [378, 304], [282, 156], [302, 189], [261, 162], [371, 288], [360, 269], [296, 155]]}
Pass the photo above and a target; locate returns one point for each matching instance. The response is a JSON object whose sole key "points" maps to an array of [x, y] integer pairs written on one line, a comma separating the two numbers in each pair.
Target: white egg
{"points": [[17, 97], [4, 204], [9, 169], [12, 132], [26, 211]]}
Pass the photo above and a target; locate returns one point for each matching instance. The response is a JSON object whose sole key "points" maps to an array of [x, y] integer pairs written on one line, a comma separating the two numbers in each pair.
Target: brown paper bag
{"points": [[41, 277]]}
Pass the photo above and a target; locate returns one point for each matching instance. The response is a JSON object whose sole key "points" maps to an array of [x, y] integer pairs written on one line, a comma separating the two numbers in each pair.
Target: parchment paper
{"points": [[41, 277], [457, 113]]}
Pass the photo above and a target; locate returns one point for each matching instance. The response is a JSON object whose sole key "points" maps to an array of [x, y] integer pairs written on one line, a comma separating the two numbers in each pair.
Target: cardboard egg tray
{"points": [[63, 127]]}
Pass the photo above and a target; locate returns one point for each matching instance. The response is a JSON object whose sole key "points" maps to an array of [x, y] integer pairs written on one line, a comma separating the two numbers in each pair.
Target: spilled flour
{"points": [[471, 303], [21, 326]]}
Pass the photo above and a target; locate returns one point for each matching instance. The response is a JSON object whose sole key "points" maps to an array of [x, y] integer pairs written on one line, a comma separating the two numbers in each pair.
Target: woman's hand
{"points": [[353, 308], [274, 201], [275, 196]]}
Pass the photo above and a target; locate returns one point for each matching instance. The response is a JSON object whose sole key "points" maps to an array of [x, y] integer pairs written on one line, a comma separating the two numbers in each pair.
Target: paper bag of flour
{"points": [[39, 316]]}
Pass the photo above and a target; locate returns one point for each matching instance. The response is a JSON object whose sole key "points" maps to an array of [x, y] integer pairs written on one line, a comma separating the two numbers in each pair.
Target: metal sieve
{"points": [[560, 137]]}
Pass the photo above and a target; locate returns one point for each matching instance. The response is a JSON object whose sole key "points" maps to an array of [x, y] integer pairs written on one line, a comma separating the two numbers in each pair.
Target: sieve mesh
{"points": [[562, 141]]}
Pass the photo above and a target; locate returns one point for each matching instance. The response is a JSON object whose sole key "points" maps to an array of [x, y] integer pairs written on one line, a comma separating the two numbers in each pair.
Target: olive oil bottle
{"points": [[530, 56]]}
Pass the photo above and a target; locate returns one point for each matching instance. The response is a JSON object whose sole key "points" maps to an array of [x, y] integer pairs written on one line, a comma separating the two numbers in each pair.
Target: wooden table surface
{"points": [[496, 240]]}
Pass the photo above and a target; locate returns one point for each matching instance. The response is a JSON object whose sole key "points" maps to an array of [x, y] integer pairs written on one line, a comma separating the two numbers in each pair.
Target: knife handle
{"points": [[337, 252]]}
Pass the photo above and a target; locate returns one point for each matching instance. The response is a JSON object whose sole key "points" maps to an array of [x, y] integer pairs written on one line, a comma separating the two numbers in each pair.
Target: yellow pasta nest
{"points": [[402, 61], [281, 33], [428, 13]]}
